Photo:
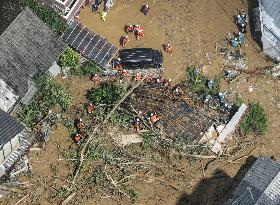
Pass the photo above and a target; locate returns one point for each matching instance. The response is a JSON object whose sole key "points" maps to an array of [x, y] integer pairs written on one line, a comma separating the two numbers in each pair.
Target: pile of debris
{"points": [[180, 117], [234, 61]]}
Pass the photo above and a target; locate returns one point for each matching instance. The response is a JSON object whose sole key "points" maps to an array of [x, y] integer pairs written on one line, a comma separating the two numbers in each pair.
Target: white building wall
{"points": [[7, 97]]}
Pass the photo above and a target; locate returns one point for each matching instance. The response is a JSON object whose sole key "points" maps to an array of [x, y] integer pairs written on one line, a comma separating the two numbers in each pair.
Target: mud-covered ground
{"points": [[193, 27]]}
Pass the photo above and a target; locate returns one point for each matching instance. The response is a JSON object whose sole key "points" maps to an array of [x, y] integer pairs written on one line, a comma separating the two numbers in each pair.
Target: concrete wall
{"points": [[8, 148]]}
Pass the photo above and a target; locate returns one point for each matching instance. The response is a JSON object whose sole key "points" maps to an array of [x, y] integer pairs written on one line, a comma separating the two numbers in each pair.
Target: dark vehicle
{"points": [[141, 58]]}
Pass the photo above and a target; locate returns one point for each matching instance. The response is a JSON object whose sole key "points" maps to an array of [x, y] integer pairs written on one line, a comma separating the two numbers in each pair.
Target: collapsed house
{"points": [[181, 118], [14, 141], [28, 48], [261, 185], [266, 20]]}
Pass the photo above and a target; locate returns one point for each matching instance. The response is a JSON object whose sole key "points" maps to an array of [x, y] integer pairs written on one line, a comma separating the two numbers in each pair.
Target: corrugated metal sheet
{"points": [[9, 127], [260, 186]]}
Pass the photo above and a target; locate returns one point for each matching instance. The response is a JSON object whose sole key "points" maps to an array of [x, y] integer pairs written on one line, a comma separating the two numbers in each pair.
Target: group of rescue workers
{"points": [[241, 21], [138, 31]]}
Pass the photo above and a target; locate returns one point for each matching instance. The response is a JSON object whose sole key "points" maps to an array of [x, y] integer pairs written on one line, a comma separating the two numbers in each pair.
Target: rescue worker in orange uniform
{"points": [[129, 29], [154, 118], [138, 76], [95, 79], [80, 125], [124, 41], [168, 48], [90, 108], [137, 124], [139, 34], [78, 138], [168, 84], [125, 73]]}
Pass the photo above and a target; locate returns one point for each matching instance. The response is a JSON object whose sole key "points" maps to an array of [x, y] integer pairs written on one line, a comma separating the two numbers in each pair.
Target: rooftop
{"points": [[9, 10], [28, 47], [260, 186], [9, 127]]}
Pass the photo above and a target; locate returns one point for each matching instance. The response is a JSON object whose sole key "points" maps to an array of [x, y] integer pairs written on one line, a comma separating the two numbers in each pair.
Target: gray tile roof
{"points": [[28, 47], [9, 127], [260, 186]]}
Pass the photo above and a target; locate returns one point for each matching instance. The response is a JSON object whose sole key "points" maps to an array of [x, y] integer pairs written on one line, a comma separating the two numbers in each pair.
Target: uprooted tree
{"points": [[255, 121]]}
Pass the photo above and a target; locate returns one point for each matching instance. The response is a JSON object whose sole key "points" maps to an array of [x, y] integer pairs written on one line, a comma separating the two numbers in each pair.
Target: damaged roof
{"points": [[9, 127], [28, 47], [260, 186]]}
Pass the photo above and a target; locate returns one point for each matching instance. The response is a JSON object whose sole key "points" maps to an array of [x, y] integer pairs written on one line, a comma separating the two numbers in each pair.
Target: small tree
{"points": [[255, 121], [69, 58], [107, 93]]}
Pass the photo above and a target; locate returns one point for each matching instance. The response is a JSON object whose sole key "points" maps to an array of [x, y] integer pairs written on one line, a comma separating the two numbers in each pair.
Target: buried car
{"points": [[141, 58]]}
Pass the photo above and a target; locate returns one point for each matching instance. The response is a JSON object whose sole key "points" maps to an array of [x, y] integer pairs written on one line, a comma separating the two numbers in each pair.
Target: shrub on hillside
{"points": [[255, 121]]}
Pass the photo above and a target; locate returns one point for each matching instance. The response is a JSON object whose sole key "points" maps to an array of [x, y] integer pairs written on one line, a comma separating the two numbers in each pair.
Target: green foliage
{"points": [[69, 58], [48, 95], [197, 83], [133, 195], [255, 121], [62, 192], [238, 100], [122, 120], [98, 177], [150, 139], [107, 93], [89, 68], [48, 16]]}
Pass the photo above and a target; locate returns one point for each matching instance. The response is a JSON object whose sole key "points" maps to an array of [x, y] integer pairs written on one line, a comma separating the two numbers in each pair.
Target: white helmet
{"points": [[81, 120], [169, 80], [137, 119]]}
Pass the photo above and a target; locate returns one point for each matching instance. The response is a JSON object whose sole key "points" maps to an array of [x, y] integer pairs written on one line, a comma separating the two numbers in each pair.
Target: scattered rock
{"points": [[251, 89]]}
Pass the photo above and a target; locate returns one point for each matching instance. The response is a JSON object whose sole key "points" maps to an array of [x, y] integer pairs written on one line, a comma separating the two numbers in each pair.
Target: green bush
{"points": [[48, 95], [133, 195], [69, 58], [89, 68], [107, 93], [48, 16], [197, 83], [122, 120], [255, 121]]}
